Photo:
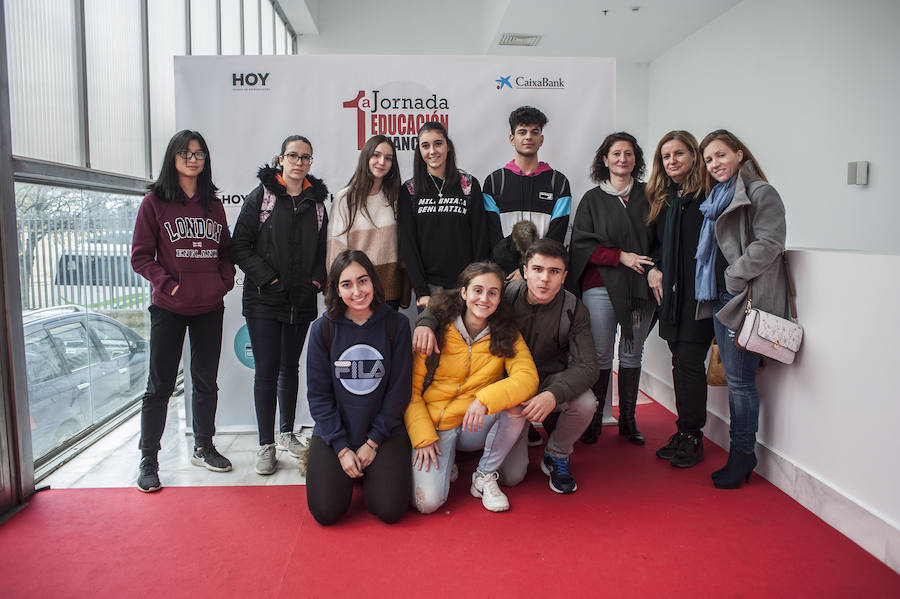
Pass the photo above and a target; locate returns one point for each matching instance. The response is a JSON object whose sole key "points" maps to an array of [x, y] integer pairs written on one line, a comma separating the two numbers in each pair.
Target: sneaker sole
{"points": [[685, 465], [201, 463], [266, 472], [478, 494], [148, 490], [546, 471]]}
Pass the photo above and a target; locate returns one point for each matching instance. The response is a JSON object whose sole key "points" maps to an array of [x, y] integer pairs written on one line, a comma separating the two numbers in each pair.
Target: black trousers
{"points": [[166, 341], [387, 482], [689, 378], [276, 356]]}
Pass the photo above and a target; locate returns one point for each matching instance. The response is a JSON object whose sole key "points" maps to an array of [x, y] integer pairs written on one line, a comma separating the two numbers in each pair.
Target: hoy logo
{"points": [[249, 79]]}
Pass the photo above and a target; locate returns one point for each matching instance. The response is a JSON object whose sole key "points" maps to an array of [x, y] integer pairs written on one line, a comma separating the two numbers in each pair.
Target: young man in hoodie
{"points": [[525, 189], [557, 329]]}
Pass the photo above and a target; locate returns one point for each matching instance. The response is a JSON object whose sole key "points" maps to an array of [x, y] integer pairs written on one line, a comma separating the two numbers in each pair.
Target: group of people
{"points": [[514, 329]]}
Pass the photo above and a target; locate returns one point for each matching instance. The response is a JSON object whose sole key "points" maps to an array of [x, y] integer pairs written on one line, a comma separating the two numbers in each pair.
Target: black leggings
{"points": [[689, 378], [276, 356], [387, 482], [166, 341]]}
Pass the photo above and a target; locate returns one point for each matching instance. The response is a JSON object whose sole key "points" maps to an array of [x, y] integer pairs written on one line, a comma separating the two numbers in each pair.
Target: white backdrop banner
{"points": [[246, 105]]}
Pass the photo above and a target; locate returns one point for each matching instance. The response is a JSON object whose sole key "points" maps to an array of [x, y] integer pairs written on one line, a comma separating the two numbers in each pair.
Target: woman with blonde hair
{"points": [[675, 192]]}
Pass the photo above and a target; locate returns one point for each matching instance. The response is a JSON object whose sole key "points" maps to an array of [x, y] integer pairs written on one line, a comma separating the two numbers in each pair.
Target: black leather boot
{"points": [[629, 381], [589, 437], [737, 469]]}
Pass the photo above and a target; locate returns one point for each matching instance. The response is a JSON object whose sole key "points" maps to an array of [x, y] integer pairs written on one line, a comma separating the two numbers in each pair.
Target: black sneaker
{"points": [[561, 480], [148, 479], [534, 437], [668, 451], [690, 452], [211, 459]]}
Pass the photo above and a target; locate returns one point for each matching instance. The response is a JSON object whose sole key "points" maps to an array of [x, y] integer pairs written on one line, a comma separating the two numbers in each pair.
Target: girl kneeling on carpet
{"points": [[466, 402], [358, 380], [741, 240]]}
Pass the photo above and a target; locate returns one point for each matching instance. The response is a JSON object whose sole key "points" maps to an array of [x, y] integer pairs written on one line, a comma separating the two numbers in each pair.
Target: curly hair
{"points": [[447, 304], [526, 115], [600, 172]]}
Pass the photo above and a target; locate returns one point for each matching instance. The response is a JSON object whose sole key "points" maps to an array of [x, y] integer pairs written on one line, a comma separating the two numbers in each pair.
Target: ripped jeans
{"points": [[497, 436], [740, 372]]}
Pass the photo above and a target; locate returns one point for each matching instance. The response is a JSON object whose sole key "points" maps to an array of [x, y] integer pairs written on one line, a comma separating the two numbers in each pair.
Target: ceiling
{"points": [[569, 27]]}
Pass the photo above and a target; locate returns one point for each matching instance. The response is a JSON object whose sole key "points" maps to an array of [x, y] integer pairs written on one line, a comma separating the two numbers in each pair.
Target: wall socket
{"points": [[857, 173]]}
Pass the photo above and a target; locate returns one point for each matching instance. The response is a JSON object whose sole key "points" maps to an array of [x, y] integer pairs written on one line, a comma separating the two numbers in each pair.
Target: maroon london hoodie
{"points": [[175, 244]]}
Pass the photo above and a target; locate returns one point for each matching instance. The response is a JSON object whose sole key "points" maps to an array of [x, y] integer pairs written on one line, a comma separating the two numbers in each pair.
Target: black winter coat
{"points": [[288, 246], [685, 327]]}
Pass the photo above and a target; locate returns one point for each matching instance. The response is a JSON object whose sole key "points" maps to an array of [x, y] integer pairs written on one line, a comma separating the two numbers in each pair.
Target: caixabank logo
{"points": [[245, 82], [397, 114], [529, 82]]}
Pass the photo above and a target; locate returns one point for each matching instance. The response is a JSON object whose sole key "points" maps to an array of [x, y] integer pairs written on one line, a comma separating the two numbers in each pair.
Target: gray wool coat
{"points": [[751, 233]]}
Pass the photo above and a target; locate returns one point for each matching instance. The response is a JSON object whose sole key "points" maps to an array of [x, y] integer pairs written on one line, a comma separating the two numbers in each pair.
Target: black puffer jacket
{"points": [[287, 244]]}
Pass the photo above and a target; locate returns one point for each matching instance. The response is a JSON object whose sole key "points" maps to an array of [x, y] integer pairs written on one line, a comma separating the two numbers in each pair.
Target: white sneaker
{"points": [[265, 459], [289, 442], [486, 487]]}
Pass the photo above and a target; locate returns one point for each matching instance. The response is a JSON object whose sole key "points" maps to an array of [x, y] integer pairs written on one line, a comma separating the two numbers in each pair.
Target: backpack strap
{"points": [[431, 366], [391, 326], [566, 318], [465, 181], [327, 334]]}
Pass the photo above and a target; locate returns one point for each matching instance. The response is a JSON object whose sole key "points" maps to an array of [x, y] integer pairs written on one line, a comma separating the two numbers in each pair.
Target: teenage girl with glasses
{"points": [[279, 243], [190, 273]]}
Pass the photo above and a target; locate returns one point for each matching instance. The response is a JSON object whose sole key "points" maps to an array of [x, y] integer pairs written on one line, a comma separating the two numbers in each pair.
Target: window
{"points": [[111, 337], [42, 363]]}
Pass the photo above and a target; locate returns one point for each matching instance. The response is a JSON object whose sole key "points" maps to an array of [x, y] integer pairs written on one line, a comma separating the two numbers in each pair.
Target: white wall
{"points": [[809, 86]]}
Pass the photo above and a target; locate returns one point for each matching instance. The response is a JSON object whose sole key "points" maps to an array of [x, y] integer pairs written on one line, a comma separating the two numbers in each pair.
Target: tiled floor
{"points": [[113, 461]]}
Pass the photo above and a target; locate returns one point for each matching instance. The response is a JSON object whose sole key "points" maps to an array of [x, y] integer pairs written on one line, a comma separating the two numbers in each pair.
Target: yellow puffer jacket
{"points": [[464, 374]]}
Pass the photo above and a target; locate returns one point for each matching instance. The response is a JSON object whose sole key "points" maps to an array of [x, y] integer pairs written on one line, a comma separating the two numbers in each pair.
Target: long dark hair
{"points": [[361, 182], [749, 165], [167, 188], [333, 302], [599, 170], [447, 304], [420, 169], [657, 189]]}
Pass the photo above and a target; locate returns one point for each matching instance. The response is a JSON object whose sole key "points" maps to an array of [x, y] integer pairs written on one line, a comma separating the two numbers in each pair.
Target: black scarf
{"points": [[670, 251], [601, 219]]}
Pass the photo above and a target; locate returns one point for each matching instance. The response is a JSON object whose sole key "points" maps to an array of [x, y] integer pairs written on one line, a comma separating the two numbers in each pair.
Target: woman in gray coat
{"points": [[741, 240]]}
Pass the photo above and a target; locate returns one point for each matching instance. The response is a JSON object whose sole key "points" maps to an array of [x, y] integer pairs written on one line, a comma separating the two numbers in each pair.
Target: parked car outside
{"points": [[82, 367]]}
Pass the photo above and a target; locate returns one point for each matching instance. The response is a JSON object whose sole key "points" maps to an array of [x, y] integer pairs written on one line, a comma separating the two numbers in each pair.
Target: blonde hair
{"points": [[657, 189]]}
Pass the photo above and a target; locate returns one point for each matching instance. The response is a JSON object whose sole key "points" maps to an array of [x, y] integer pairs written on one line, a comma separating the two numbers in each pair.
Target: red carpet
{"points": [[635, 527]]}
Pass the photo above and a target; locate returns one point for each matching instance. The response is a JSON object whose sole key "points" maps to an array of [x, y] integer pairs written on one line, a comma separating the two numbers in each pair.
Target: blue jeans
{"points": [[740, 372], [604, 326], [497, 436]]}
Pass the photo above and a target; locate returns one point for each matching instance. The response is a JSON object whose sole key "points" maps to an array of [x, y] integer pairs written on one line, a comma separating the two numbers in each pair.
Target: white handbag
{"points": [[769, 335]]}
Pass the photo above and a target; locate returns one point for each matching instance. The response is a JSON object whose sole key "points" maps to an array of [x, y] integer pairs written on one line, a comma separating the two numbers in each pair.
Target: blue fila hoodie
{"points": [[360, 391]]}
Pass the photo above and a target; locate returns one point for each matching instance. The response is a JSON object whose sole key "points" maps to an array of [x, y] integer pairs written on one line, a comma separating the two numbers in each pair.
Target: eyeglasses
{"points": [[295, 158], [187, 155]]}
